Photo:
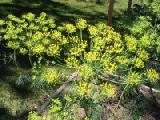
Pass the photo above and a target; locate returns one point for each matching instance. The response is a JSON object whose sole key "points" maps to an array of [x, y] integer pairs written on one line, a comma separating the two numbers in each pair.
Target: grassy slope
{"points": [[15, 100], [63, 10]]}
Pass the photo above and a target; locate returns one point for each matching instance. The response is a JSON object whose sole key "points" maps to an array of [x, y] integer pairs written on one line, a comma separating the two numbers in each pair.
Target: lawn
{"points": [[64, 10]]}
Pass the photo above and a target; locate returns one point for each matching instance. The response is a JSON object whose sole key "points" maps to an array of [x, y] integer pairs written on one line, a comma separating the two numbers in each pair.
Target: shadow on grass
{"points": [[5, 115], [62, 12]]}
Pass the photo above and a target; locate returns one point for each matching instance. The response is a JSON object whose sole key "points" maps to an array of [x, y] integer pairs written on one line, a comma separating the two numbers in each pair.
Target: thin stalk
{"points": [[91, 44], [81, 34], [122, 94], [14, 56], [30, 57]]}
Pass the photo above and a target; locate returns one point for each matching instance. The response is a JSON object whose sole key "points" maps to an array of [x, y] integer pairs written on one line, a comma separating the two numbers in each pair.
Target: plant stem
{"points": [[14, 57], [81, 34], [30, 57], [122, 95], [91, 44]]}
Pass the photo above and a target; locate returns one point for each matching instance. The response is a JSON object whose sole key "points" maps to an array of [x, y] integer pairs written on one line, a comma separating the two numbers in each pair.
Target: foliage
{"points": [[90, 50]]}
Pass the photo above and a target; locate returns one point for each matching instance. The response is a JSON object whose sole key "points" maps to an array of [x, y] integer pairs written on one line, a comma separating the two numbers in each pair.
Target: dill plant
{"points": [[100, 50]]}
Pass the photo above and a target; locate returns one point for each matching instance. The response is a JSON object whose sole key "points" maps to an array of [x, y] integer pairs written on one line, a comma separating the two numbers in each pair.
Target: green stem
{"points": [[14, 55], [30, 57], [81, 34], [91, 44], [122, 95]]}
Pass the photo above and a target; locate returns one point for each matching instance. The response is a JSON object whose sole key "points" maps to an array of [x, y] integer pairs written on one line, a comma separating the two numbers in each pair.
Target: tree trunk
{"points": [[129, 6], [150, 1], [110, 10], [142, 2]]}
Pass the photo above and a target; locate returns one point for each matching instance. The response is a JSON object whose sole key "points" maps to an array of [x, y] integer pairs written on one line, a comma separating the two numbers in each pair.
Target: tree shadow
{"points": [[61, 11], [6, 115]]}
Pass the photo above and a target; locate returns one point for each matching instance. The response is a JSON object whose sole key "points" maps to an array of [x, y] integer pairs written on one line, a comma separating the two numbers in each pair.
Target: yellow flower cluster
{"points": [[14, 18], [122, 60], [38, 49], [34, 34], [70, 28], [51, 76], [74, 39], [56, 35], [78, 49], [109, 67], [29, 16], [138, 63], [134, 78], [152, 75], [117, 48], [101, 91], [13, 45], [91, 56], [93, 30], [2, 22], [23, 51], [143, 54], [72, 62], [83, 89], [131, 43], [56, 107], [53, 50], [145, 41], [85, 71], [81, 23], [107, 89]]}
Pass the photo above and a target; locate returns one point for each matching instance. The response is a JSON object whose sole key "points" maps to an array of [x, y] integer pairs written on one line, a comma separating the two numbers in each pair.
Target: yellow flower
{"points": [[2, 22], [109, 67], [50, 75], [45, 41], [53, 50], [70, 28], [29, 44], [23, 51], [74, 39], [143, 54], [68, 98], [83, 88], [81, 23], [72, 62], [56, 106], [85, 71], [91, 56], [29, 16], [93, 30], [56, 34], [139, 63], [131, 43], [13, 45], [107, 89], [118, 47], [152, 75], [145, 41], [78, 49], [37, 36], [64, 40], [122, 60], [134, 78], [38, 49]]}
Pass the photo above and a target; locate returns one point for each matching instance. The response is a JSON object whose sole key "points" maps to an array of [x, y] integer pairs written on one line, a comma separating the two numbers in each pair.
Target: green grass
{"points": [[64, 10], [17, 100]]}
